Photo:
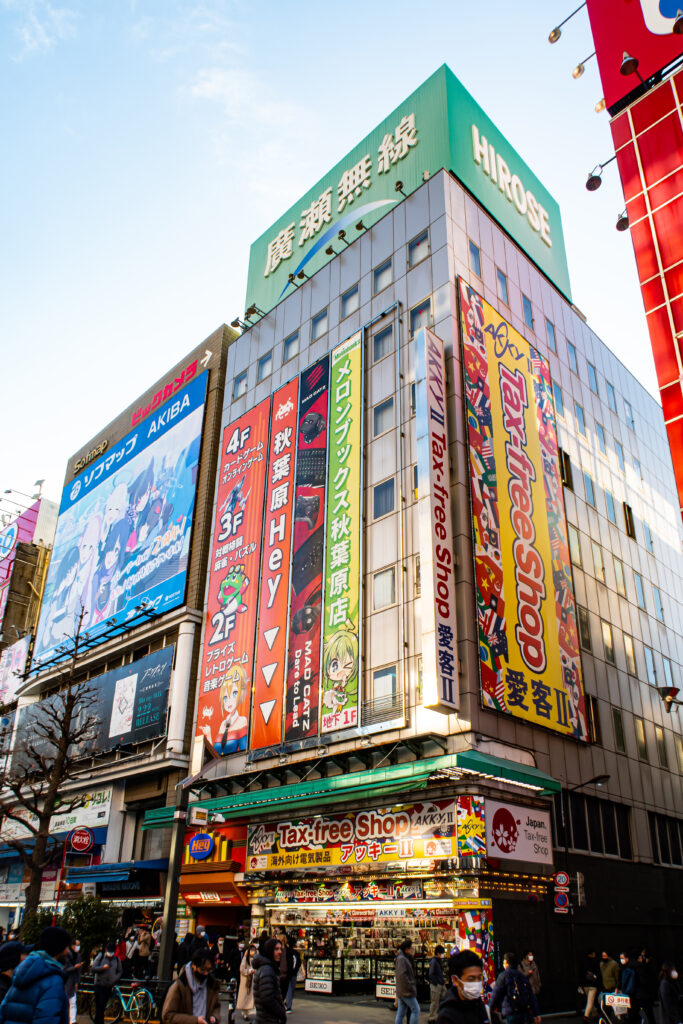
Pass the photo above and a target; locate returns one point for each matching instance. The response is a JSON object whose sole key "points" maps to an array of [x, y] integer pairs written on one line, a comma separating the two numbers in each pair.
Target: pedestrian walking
{"points": [[37, 990], [268, 1002], [194, 997], [72, 977], [406, 984], [107, 969], [437, 983], [628, 982], [529, 969], [609, 973], [11, 955], [647, 984], [463, 1004], [293, 964], [144, 951], [669, 994], [245, 995], [513, 996], [590, 983], [200, 942]]}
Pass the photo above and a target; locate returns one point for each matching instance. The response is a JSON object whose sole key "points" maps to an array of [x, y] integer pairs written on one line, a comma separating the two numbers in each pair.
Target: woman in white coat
{"points": [[245, 996]]}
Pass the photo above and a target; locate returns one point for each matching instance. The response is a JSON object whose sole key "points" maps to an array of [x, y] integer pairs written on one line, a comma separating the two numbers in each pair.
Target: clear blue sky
{"points": [[147, 143]]}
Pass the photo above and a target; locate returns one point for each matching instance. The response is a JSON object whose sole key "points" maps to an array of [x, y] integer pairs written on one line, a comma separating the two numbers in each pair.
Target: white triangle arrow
{"points": [[267, 709], [268, 671], [269, 636]]}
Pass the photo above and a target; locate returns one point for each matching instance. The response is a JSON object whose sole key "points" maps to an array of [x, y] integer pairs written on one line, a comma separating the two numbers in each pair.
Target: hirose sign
{"points": [[438, 127]]}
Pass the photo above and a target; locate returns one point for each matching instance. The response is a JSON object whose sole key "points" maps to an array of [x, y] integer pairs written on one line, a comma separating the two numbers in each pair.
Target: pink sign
{"points": [[20, 530]]}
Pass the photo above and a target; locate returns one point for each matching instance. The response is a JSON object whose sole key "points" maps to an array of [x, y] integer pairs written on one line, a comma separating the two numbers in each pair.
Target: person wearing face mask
{"points": [[437, 983], [406, 984], [72, 975], [628, 981], [268, 1002], [463, 1003], [107, 969], [609, 972], [194, 997], [669, 994], [529, 969], [11, 955], [513, 995], [37, 990]]}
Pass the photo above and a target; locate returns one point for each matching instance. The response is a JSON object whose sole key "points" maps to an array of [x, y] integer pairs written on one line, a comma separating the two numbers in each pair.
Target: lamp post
{"points": [[597, 780]]}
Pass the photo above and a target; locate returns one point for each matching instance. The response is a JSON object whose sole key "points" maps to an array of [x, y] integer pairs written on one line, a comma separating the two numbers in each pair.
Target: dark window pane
{"points": [[594, 829], [675, 842], [558, 827], [624, 831], [652, 821], [663, 833], [609, 828], [577, 804]]}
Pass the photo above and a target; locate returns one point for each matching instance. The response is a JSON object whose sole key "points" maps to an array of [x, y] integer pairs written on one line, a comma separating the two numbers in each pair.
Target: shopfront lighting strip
{"points": [[458, 774], [366, 904]]}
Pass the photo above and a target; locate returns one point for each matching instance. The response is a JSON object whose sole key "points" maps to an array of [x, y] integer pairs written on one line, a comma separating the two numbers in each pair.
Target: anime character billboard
{"points": [[528, 641], [123, 534], [232, 599]]}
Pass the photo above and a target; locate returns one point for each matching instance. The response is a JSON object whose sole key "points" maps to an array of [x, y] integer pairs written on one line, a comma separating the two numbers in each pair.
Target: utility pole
{"points": [[175, 863]]}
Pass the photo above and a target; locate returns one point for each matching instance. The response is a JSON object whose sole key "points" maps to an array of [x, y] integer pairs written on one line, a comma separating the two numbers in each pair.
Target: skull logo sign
{"points": [[504, 831]]}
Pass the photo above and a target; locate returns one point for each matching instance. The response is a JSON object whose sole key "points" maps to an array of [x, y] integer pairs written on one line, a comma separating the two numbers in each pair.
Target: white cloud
{"points": [[39, 25]]}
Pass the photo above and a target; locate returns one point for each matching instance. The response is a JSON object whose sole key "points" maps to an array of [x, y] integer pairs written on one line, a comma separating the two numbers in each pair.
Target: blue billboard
{"points": [[123, 534]]}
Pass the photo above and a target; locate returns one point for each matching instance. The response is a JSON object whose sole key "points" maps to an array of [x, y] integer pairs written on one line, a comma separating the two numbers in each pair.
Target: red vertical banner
{"points": [[306, 591], [228, 651], [271, 643]]}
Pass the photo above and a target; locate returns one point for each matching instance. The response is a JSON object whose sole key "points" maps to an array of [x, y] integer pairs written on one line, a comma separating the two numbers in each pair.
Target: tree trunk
{"points": [[32, 900]]}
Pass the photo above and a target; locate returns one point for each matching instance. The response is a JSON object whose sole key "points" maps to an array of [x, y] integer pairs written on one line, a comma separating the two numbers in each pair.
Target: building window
{"points": [[566, 469], [319, 325], [641, 739], [475, 259], [413, 398], [290, 347], [573, 362], [557, 395], [384, 683], [659, 607], [618, 724], [600, 433], [620, 456], [502, 286], [598, 561], [382, 276], [350, 302], [611, 508], [611, 396], [418, 576], [628, 521], [584, 628], [648, 538], [640, 592], [607, 641], [264, 367], [418, 249], [638, 469], [528, 311], [619, 576], [668, 673], [574, 545], [629, 415], [679, 748], [661, 747], [384, 589], [383, 417], [239, 385], [590, 490], [665, 833], [593, 719], [383, 343], [383, 499], [415, 477], [592, 378], [630, 654], [580, 418], [550, 334], [421, 316]]}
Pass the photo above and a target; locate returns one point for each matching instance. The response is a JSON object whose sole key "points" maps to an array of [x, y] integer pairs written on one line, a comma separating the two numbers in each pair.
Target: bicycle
{"points": [[137, 1008], [614, 1007]]}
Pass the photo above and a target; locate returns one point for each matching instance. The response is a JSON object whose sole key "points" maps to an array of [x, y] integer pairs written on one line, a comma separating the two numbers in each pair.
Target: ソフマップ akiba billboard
{"points": [[528, 639], [438, 126]]}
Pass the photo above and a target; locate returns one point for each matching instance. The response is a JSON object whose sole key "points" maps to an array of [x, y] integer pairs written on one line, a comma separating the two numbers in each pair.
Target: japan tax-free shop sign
{"points": [[438, 126]]}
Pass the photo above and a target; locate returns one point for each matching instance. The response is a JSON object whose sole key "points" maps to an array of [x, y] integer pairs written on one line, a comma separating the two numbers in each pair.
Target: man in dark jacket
{"points": [[628, 982], [268, 1002], [72, 976], [437, 983], [406, 984], [513, 996], [646, 990], [293, 965], [463, 1004], [11, 955], [194, 995], [107, 969], [37, 990], [590, 983]]}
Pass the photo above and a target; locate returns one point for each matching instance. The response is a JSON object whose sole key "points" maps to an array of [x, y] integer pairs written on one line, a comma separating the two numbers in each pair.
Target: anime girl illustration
{"points": [[60, 618], [115, 510], [105, 591], [81, 592], [232, 732], [139, 509], [340, 669]]}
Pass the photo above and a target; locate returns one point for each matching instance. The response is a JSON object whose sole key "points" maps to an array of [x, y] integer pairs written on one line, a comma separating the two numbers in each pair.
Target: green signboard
{"points": [[438, 126]]}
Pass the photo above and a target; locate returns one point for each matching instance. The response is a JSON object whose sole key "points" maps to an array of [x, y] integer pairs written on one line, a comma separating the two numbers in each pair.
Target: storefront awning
{"points": [[114, 872], [374, 782]]}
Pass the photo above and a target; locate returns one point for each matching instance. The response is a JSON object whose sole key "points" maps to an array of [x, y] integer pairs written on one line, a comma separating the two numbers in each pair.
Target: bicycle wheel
{"points": [[113, 1011], [141, 1006]]}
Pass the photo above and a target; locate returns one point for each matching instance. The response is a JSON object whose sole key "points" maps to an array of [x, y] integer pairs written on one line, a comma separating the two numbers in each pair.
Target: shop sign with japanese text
{"points": [[437, 565], [343, 573], [518, 833], [228, 651], [351, 892], [418, 831], [528, 640]]}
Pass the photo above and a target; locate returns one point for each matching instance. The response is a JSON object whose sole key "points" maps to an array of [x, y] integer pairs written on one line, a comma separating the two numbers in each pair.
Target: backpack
{"points": [[517, 991]]}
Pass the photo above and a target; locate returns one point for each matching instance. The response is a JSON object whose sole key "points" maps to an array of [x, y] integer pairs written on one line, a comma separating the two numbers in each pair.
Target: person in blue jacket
{"points": [[37, 994]]}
